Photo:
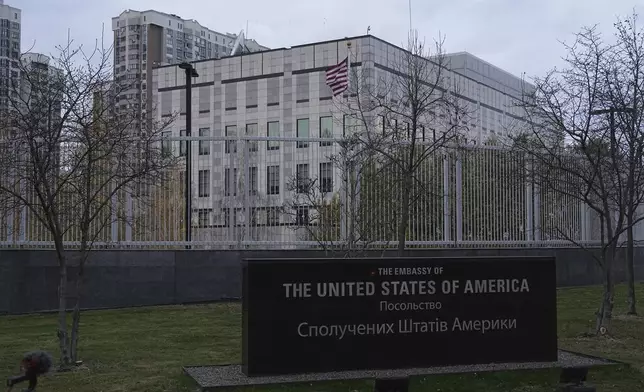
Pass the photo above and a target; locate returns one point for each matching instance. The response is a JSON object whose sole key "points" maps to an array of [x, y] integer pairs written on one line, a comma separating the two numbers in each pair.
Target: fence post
{"points": [[113, 217], [459, 198], [583, 221], [447, 218], [232, 192], [537, 212], [529, 204], [129, 217], [10, 221], [246, 207], [23, 213], [343, 198]]}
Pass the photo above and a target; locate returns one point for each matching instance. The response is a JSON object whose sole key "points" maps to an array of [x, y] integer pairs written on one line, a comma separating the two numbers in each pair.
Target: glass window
{"points": [[204, 145], [183, 146], [166, 143], [204, 183], [273, 180], [302, 217], [302, 173], [226, 216], [326, 177], [251, 130], [302, 132], [272, 216], [204, 218], [350, 125], [252, 181], [230, 182], [273, 131], [231, 145], [326, 130]]}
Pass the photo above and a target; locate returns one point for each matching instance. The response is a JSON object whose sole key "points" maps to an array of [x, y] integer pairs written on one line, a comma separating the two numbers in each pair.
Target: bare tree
{"points": [[74, 158], [624, 96], [577, 154], [404, 116], [335, 215]]}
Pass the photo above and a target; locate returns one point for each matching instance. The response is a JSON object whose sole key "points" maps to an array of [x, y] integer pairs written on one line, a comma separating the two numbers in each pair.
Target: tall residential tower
{"points": [[9, 50], [146, 39]]}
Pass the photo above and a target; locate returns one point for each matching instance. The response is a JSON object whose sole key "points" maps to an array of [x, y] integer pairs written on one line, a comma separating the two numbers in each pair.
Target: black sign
{"points": [[304, 315]]}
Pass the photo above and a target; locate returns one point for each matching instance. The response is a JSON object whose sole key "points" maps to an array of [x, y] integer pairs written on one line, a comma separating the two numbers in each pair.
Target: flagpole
{"points": [[349, 71]]}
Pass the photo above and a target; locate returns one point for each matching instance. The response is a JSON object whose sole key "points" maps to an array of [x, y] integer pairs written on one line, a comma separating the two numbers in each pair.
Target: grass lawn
{"points": [[143, 349]]}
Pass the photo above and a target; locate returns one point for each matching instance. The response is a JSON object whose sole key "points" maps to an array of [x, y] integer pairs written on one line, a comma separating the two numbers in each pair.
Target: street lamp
{"points": [[191, 72], [611, 111]]}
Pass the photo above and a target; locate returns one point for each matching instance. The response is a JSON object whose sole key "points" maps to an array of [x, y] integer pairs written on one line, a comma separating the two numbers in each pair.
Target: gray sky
{"points": [[517, 35]]}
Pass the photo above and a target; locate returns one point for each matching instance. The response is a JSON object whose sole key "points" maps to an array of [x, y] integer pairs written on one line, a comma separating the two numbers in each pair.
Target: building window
{"points": [[273, 131], [204, 183], [350, 125], [302, 216], [302, 132], [302, 177], [231, 145], [326, 177], [251, 130], [326, 130], [252, 181], [204, 145], [183, 144], [273, 180], [204, 218], [230, 182], [226, 213], [144, 19], [166, 143], [272, 216]]}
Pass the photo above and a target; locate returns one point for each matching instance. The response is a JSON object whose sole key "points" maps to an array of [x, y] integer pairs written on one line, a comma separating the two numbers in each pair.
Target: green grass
{"points": [[144, 349]]}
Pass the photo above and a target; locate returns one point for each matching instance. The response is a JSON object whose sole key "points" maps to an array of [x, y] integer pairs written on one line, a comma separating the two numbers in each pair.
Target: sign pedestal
{"points": [[392, 385]]}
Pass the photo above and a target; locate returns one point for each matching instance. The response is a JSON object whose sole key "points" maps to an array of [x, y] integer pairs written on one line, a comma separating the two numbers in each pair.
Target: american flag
{"points": [[337, 77]]}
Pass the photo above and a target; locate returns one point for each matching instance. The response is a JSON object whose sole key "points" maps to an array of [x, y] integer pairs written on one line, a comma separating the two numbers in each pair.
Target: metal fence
{"points": [[259, 192]]}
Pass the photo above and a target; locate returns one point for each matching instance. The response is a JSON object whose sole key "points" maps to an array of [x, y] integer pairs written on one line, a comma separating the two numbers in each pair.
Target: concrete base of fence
{"points": [[125, 278]]}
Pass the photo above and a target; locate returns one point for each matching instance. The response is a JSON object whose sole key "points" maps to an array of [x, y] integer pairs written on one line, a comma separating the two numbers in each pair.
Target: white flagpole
{"points": [[348, 69]]}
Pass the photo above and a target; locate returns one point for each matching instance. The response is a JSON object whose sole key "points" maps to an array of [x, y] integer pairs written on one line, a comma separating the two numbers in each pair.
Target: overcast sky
{"points": [[517, 35]]}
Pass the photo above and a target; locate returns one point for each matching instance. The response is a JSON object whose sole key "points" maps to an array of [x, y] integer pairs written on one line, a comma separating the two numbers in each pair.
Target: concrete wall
{"points": [[29, 278]]}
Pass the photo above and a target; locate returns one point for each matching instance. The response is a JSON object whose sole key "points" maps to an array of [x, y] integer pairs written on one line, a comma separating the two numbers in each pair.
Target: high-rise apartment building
{"points": [[9, 50], [146, 39]]}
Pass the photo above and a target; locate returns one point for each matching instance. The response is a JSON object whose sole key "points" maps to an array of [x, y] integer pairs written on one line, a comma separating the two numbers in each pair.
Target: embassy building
{"points": [[280, 98]]}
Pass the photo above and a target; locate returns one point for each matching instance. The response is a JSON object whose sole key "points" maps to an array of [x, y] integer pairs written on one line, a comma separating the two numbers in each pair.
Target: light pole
{"points": [[611, 112], [191, 72]]}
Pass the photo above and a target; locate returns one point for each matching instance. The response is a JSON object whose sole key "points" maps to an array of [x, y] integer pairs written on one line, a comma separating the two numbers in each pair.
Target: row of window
{"points": [[271, 216], [6, 23], [273, 130], [303, 182]]}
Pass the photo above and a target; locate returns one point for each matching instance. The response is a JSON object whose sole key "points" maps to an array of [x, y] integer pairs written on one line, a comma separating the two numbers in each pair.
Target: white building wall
{"points": [[235, 92]]}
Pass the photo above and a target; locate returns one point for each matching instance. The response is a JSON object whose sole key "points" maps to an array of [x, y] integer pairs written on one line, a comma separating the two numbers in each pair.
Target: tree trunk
{"points": [[76, 322], [63, 337], [630, 273], [404, 216], [76, 314], [605, 313]]}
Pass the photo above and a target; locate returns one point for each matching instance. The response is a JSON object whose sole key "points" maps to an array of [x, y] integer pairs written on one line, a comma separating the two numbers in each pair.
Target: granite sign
{"points": [[321, 315]]}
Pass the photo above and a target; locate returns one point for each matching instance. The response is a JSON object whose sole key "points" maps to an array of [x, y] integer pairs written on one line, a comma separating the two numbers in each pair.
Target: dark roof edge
{"points": [[283, 48], [346, 39]]}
